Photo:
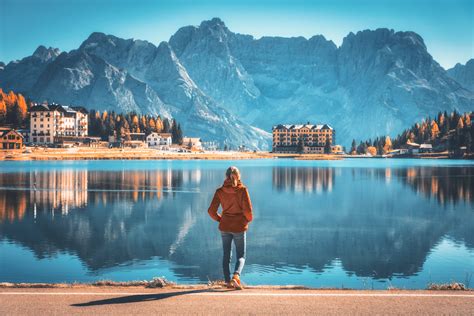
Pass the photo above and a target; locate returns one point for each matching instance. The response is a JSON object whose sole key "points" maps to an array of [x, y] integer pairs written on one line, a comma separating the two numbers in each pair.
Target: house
{"points": [[159, 140], [337, 149], [25, 133], [192, 143], [426, 148], [50, 123], [306, 138], [210, 145], [137, 136], [397, 152], [10, 139], [413, 148]]}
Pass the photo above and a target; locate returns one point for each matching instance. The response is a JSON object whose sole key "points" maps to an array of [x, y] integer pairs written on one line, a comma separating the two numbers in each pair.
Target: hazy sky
{"points": [[447, 26]]}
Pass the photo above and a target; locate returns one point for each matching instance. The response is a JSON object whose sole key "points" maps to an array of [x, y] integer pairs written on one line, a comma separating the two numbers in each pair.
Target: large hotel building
{"points": [[51, 122], [305, 138]]}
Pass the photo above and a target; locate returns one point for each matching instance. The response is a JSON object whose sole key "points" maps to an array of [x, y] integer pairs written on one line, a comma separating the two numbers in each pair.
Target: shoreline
{"points": [[157, 283], [86, 153]]}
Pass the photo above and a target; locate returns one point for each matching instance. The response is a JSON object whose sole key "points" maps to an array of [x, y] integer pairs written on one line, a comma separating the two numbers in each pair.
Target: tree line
{"points": [[105, 124], [444, 132]]}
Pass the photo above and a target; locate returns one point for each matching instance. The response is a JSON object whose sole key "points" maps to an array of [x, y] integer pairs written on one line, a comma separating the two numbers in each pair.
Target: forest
{"points": [[445, 132]]}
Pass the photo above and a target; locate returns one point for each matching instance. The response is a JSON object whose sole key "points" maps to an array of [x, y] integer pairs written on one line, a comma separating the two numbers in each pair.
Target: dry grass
{"points": [[454, 286], [154, 283]]}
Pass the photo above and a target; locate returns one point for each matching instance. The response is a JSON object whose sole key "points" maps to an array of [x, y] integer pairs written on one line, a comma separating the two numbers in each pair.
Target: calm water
{"points": [[353, 223]]}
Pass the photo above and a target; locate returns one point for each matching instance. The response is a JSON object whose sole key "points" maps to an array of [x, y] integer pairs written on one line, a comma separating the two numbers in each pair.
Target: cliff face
{"points": [[464, 74], [231, 87]]}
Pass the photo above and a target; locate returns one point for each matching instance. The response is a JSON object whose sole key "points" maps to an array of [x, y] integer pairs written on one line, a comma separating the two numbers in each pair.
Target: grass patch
{"points": [[453, 286]]}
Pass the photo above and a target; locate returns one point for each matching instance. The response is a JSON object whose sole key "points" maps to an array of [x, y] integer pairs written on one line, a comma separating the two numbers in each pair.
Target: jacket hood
{"points": [[227, 186]]}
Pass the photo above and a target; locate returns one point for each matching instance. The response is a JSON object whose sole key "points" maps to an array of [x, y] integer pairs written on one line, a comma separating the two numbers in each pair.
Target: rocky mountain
{"points": [[232, 88], [22, 75], [464, 74]]}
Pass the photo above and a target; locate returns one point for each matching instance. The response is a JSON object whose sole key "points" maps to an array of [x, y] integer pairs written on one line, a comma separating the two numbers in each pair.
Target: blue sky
{"points": [[447, 26]]}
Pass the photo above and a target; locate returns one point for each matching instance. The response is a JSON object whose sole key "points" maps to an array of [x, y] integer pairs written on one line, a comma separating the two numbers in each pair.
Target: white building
{"points": [[50, 122], [159, 140], [192, 143]]}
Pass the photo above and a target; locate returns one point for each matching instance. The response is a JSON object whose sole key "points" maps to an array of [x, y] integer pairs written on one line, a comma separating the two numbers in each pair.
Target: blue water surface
{"points": [[358, 223]]}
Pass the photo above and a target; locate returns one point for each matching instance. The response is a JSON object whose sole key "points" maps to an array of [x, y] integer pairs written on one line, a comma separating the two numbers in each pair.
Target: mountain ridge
{"points": [[232, 87]]}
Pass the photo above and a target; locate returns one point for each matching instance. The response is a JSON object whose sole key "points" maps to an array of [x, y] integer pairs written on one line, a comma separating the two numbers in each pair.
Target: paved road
{"points": [[120, 301]]}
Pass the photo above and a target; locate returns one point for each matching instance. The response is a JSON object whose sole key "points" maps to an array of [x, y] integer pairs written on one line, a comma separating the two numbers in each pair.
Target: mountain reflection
{"points": [[374, 225]]}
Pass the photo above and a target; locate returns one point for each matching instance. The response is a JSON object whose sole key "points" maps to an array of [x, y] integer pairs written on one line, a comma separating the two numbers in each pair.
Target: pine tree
{"points": [[327, 146], [179, 135], [166, 126], [15, 116], [353, 147]]}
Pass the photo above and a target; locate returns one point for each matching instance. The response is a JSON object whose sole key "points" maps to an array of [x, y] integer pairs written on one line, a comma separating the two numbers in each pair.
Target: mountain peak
{"points": [[214, 22], [46, 54]]}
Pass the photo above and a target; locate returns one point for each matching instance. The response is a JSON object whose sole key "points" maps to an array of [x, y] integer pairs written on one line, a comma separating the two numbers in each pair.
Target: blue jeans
{"points": [[240, 245]]}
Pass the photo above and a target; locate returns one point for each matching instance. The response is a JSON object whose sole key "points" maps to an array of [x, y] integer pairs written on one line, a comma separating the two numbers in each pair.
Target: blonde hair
{"points": [[233, 174]]}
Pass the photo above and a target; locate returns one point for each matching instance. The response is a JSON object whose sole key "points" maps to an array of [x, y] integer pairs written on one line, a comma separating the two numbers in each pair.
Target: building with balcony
{"points": [[52, 123], [306, 138]]}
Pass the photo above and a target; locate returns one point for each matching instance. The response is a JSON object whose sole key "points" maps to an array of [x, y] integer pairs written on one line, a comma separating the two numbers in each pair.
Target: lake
{"points": [[354, 223]]}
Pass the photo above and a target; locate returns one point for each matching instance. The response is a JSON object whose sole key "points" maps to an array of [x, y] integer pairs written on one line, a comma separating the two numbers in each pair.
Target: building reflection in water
{"points": [[301, 179], [446, 185], [59, 191]]}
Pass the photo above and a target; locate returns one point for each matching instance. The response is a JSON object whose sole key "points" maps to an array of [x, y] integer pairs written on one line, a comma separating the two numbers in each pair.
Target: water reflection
{"points": [[303, 179], [375, 222], [444, 184]]}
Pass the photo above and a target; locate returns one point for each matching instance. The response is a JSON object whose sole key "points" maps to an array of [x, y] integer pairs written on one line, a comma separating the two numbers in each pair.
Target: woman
{"points": [[233, 222]]}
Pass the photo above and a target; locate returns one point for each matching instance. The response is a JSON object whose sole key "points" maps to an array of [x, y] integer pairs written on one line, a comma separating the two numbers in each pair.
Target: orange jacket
{"points": [[236, 207]]}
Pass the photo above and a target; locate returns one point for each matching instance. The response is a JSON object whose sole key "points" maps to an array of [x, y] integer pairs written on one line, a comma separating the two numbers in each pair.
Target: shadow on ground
{"points": [[143, 297]]}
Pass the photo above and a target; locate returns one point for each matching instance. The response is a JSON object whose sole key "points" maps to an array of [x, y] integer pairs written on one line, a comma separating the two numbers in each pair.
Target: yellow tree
{"points": [[460, 123], [10, 99], [467, 119], [135, 121], [3, 110], [434, 129], [388, 145], [152, 125], [158, 125], [22, 106], [104, 116], [372, 150]]}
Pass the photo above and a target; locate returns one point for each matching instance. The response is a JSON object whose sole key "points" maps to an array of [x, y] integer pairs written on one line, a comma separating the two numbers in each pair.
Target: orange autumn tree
{"points": [[388, 145], [3, 111], [13, 109], [434, 129]]}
